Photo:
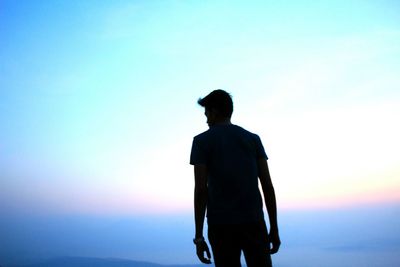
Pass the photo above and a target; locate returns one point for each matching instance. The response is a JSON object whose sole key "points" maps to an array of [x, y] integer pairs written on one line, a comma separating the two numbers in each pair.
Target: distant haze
{"points": [[350, 236]]}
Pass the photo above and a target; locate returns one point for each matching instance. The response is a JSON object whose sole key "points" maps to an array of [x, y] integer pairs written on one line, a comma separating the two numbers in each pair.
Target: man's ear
{"points": [[215, 112]]}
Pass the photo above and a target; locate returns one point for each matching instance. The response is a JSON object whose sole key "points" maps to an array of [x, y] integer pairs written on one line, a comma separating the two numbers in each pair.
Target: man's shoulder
{"points": [[212, 131], [244, 131], [225, 129], [202, 135]]}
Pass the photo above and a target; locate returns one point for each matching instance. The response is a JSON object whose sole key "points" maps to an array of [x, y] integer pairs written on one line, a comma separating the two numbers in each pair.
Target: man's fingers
{"points": [[203, 259], [273, 250], [201, 249], [275, 241], [275, 247], [208, 252], [206, 261]]}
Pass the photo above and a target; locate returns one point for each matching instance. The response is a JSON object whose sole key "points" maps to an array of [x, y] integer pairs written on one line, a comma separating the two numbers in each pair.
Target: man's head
{"points": [[218, 106]]}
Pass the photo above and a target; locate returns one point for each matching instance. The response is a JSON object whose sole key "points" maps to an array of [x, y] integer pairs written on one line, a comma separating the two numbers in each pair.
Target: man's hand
{"points": [[274, 240], [202, 248]]}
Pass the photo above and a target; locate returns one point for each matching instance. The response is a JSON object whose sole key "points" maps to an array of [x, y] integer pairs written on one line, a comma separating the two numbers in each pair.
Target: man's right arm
{"points": [[270, 203]]}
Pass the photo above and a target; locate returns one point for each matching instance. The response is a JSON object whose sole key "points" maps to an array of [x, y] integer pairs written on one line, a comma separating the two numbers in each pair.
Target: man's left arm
{"points": [[200, 206]]}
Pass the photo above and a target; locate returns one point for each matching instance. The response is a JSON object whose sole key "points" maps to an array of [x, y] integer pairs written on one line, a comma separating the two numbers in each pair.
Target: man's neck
{"points": [[223, 122]]}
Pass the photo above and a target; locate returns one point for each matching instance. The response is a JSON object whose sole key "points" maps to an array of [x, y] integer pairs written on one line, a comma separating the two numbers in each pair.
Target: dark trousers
{"points": [[229, 240]]}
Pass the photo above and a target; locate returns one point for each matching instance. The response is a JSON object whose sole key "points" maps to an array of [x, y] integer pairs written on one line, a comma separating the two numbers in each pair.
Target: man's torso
{"points": [[230, 153]]}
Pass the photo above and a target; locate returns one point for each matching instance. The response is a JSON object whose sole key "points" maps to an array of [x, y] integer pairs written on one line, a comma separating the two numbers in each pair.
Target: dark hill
{"points": [[95, 262]]}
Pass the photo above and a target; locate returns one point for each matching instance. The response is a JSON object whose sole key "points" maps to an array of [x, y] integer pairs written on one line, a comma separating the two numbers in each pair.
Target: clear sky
{"points": [[98, 100]]}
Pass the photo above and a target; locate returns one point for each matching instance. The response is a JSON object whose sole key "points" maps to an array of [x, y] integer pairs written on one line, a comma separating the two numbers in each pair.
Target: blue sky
{"points": [[88, 88], [98, 101]]}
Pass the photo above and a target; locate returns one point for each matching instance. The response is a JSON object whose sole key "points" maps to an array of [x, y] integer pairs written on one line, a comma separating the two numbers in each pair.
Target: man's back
{"points": [[230, 153], [228, 163]]}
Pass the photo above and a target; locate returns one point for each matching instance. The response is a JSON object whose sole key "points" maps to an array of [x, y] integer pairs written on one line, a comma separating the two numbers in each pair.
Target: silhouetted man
{"points": [[228, 162]]}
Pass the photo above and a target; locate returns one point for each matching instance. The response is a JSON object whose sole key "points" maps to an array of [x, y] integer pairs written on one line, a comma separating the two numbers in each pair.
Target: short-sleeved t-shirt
{"points": [[230, 154]]}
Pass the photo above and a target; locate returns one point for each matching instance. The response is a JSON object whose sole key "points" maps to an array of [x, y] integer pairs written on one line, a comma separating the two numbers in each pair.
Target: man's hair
{"points": [[218, 100]]}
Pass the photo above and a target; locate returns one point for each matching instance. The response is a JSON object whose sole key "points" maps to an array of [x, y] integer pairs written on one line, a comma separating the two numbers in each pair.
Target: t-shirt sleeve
{"points": [[260, 151], [198, 154]]}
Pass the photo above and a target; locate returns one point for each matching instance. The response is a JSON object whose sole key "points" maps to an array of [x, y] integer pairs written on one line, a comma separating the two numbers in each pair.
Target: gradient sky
{"points": [[98, 111], [98, 100]]}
